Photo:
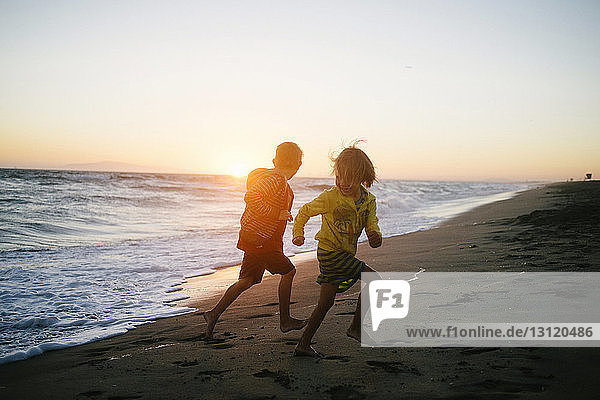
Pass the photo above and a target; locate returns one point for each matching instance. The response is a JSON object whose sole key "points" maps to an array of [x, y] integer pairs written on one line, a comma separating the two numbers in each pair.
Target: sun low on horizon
{"points": [[239, 170]]}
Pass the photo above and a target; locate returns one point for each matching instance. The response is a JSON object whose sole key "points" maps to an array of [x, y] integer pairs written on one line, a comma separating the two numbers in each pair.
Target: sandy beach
{"points": [[551, 228]]}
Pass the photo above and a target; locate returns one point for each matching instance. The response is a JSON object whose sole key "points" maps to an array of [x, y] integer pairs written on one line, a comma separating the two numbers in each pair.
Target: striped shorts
{"points": [[339, 267]]}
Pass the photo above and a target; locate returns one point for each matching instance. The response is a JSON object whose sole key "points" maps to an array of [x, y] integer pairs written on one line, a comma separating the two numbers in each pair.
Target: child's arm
{"points": [[257, 196], [372, 227], [314, 207]]}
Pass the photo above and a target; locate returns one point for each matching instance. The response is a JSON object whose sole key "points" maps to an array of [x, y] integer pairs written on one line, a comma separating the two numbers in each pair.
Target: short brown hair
{"points": [[288, 155], [354, 165]]}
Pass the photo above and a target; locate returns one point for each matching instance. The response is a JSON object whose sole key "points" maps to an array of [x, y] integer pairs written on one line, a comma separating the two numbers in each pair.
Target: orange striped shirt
{"points": [[268, 193]]}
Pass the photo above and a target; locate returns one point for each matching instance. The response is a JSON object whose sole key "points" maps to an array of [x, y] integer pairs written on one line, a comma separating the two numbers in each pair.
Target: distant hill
{"points": [[111, 166]]}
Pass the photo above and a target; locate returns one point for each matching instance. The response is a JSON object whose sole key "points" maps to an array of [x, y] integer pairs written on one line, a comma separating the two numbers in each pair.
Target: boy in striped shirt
{"points": [[268, 203]]}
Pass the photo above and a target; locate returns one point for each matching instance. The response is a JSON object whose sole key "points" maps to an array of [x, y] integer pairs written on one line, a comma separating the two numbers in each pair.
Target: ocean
{"points": [[89, 255]]}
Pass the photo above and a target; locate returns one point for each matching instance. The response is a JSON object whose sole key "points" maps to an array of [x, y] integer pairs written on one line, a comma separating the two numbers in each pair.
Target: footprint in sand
{"points": [[275, 304], [260, 316], [280, 377], [207, 375], [186, 363], [348, 392], [223, 346]]}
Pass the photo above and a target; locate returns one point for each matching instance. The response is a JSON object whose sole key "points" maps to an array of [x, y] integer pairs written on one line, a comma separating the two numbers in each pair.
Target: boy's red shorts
{"points": [[254, 265]]}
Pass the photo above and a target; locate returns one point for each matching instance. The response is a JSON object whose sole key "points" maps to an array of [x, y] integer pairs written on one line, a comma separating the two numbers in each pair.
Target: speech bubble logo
{"points": [[389, 299]]}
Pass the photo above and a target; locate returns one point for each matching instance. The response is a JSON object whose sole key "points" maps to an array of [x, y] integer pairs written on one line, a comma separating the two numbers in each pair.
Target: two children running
{"points": [[346, 209]]}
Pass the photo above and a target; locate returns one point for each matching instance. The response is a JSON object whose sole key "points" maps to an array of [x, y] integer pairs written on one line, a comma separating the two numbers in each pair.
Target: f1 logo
{"points": [[389, 299]]}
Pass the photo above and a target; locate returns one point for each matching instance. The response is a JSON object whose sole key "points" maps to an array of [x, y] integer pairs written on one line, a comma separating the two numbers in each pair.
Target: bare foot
{"points": [[307, 352], [292, 324], [210, 323], [354, 334]]}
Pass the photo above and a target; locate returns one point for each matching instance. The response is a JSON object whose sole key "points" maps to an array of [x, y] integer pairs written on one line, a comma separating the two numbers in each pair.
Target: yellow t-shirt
{"points": [[341, 222]]}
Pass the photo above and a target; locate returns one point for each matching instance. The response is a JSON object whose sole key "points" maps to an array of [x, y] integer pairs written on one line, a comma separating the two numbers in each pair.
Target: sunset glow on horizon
{"points": [[438, 90], [239, 170]]}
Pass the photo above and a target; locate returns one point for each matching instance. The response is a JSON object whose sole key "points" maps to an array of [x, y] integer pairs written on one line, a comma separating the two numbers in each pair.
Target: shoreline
{"points": [[182, 298], [251, 358], [209, 285]]}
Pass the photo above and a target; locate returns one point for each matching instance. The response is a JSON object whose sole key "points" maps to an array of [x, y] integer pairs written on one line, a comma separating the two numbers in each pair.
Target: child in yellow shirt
{"points": [[345, 210]]}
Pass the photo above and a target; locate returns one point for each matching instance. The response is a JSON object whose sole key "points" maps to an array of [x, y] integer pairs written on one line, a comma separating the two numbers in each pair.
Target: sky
{"points": [[439, 90]]}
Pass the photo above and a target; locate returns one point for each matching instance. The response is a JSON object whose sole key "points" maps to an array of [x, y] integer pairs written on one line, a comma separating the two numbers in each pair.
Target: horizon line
{"points": [[488, 180]]}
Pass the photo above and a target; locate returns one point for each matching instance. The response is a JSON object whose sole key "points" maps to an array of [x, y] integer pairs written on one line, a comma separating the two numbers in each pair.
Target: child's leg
{"points": [[326, 299], [232, 293], [287, 323], [354, 329]]}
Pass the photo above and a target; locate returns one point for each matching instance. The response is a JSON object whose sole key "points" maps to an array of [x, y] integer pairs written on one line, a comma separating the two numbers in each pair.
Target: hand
{"points": [[374, 239], [298, 240], [285, 215]]}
